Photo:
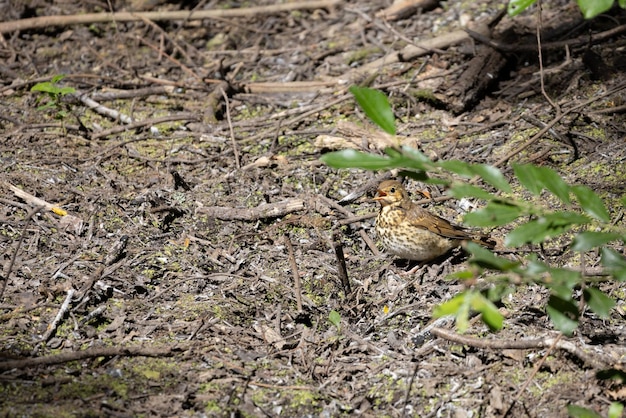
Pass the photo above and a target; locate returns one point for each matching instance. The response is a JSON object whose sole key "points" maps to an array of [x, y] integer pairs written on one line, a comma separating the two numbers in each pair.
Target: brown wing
{"points": [[421, 218]]}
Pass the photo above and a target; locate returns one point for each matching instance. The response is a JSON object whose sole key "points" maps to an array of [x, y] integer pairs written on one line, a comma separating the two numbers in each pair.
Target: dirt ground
{"points": [[196, 199]]}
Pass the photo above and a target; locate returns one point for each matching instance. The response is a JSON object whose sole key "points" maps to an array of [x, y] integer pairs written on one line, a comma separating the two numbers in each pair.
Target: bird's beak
{"points": [[381, 195]]}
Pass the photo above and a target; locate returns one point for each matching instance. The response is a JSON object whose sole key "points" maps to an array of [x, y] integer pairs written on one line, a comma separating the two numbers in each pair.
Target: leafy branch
{"points": [[584, 223]]}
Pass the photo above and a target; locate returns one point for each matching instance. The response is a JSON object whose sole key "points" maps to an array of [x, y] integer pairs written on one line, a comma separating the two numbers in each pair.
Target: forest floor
{"points": [[196, 270]]}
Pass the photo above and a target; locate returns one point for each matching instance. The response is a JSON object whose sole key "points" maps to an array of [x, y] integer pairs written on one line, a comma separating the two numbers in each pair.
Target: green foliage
{"points": [[375, 105], [54, 93], [589, 8], [615, 411], [462, 304], [335, 318], [584, 222]]}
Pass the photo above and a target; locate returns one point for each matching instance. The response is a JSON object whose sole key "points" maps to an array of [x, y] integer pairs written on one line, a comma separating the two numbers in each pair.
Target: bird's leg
{"points": [[417, 267]]}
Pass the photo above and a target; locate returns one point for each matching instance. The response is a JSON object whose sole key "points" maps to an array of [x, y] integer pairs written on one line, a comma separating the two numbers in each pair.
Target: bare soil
{"points": [[171, 289]]}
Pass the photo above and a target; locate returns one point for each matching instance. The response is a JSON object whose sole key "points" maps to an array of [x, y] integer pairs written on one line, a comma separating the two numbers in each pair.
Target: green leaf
{"points": [[376, 106], [616, 409], [416, 155], [535, 179], [591, 203], [494, 214], [528, 176], [575, 411], [560, 276], [459, 307], [490, 314], [334, 318], [457, 167], [592, 8], [565, 218], [493, 176], [563, 313], [461, 190], [499, 289], [552, 181], [532, 232], [598, 301], [588, 240], [488, 173], [450, 307], [350, 158], [518, 6], [540, 229], [614, 262], [55, 79], [484, 258], [461, 275], [612, 259]]}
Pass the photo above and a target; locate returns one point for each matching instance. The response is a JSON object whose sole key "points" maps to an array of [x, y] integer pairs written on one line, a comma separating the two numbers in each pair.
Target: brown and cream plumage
{"points": [[411, 232]]}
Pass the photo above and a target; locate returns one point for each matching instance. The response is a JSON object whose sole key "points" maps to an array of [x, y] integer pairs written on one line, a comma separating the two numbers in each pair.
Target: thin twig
{"points": [[540, 56], [146, 122], [50, 21], [232, 131], [64, 307], [294, 271], [341, 264]]}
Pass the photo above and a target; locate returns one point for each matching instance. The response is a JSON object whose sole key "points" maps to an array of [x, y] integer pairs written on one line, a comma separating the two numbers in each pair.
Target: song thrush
{"points": [[411, 232]]}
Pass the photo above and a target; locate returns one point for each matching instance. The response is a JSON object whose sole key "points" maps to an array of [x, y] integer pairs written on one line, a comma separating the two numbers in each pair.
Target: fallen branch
{"points": [[102, 110], [587, 354], [263, 211], [89, 353], [142, 123], [71, 222], [89, 18]]}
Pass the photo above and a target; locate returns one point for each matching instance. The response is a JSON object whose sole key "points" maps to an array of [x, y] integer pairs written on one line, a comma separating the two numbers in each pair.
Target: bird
{"points": [[411, 232]]}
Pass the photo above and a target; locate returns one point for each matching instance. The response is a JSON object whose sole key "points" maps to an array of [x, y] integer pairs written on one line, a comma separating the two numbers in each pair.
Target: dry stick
{"points": [[66, 221], [409, 52], [132, 94], [342, 270], [264, 210], [584, 353], [103, 110], [6, 271], [539, 55], [57, 319], [232, 131], [535, 369], [139, 124], [292, 87], [48, 21], [294, 271], [89, 353]]}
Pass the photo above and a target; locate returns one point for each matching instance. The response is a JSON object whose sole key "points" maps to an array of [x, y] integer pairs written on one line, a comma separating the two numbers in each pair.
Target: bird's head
{"points": [[391, 192]]}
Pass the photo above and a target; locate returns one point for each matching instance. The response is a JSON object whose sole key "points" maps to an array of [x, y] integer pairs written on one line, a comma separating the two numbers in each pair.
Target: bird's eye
{"points": [[392, 190]]}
